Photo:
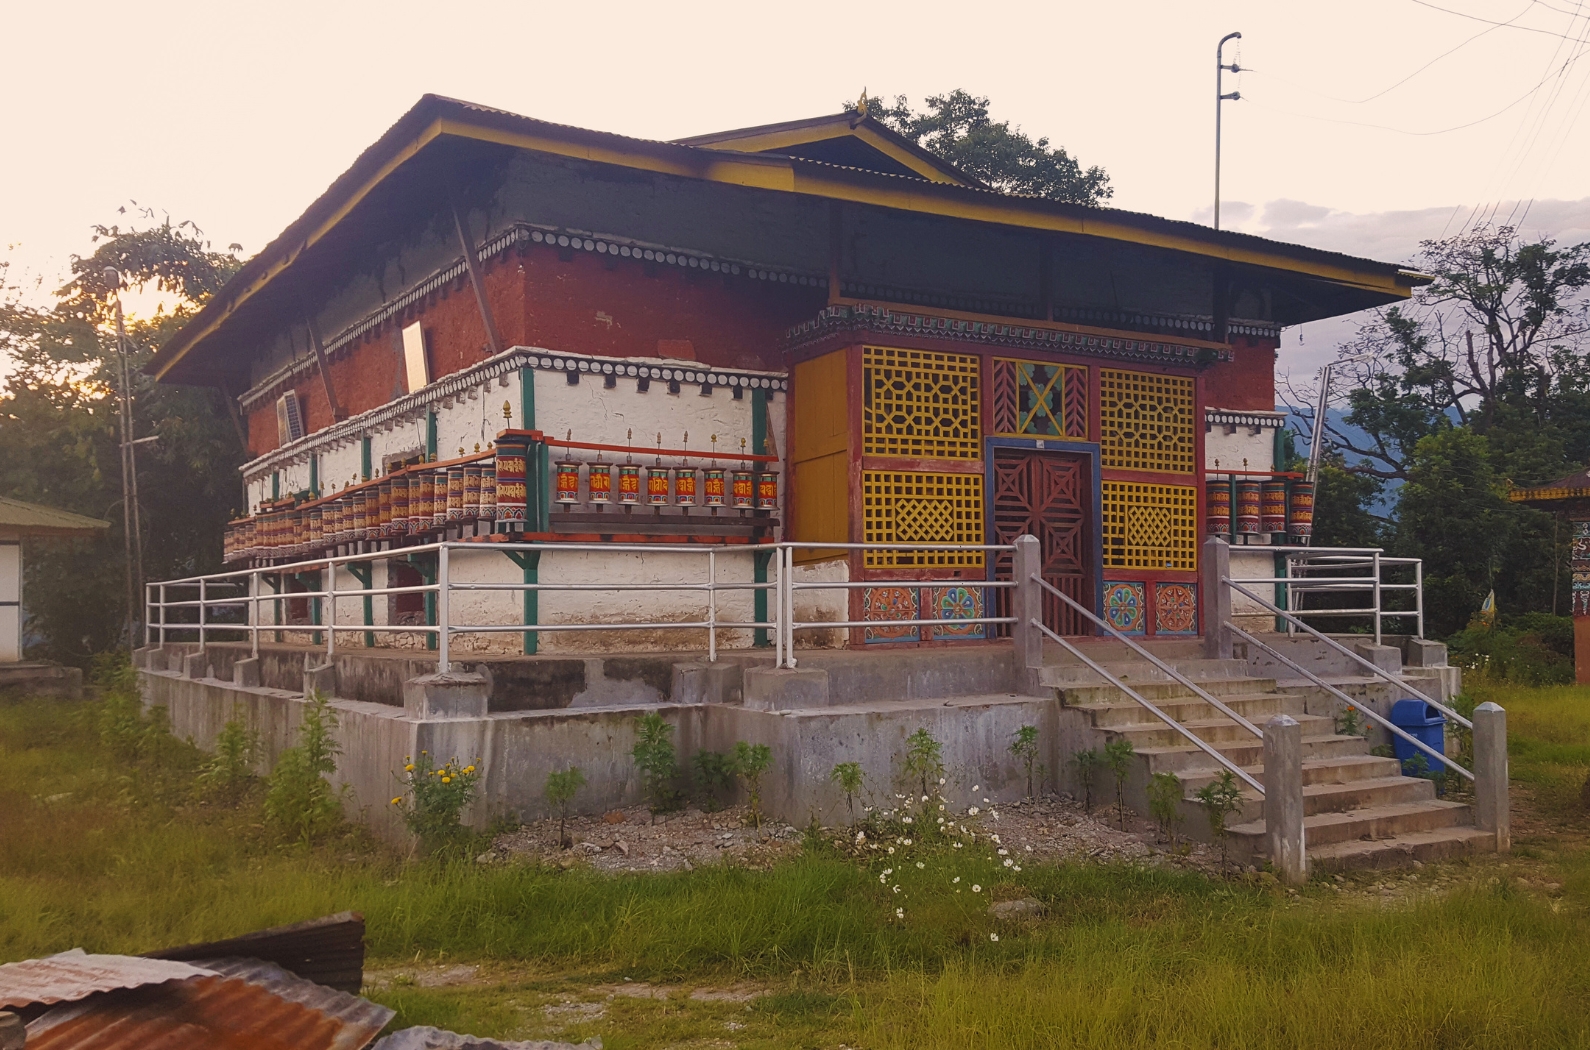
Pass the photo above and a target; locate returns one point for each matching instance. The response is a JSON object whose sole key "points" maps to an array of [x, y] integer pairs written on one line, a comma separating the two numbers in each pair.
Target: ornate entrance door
{"points": [[1050, 496]]}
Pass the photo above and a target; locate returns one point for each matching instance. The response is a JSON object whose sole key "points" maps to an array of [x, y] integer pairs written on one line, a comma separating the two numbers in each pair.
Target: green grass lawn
{"points": [[109, 849]]}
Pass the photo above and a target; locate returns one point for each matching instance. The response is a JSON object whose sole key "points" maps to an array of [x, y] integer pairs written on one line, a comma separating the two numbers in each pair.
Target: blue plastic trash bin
{"points": [[1425, 723]]}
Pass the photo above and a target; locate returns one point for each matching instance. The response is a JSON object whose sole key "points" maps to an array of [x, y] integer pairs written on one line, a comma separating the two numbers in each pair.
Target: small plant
{"points": [[298, 798], [232, 766], [924, 758], [1118, 756], [560, 791], [1221, 798], [1088, 764], [848, 776], [1025, 747], [1164, 802], [714, 777], [437, 797], [750, 762], [1383, 751], [654, 757], [1351, 722]]}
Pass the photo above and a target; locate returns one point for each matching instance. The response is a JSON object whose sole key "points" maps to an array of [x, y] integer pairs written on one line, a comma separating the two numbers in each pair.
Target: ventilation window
{"points": [[289, 418]]}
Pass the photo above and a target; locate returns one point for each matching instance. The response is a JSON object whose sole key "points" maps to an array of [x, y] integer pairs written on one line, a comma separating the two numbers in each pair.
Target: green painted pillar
{"points": [[530, 563], [314, 476], [426, 565], [276, 484], [759, 565], [430, 437], [364, 462], [363, 571]]}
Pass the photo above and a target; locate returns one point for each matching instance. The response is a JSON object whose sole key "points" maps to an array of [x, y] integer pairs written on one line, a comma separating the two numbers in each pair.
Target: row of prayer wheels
{"points": [[1276, 507], [415, 502], [628, 484]]}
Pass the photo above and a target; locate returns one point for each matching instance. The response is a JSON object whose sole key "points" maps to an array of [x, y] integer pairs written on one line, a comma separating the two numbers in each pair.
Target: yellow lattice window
{"points": [[1146, 421], [913, 507], [920, 404], [1150, 526]]}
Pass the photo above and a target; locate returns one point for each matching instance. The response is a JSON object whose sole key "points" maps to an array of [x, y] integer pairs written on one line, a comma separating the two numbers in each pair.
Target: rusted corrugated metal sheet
{"points": [[328, 951], [203, 1013], [348, 1009], [75, 975]]}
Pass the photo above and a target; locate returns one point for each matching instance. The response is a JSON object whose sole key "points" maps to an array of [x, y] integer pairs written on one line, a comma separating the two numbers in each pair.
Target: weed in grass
{"points": [[1088, 764], [849, 777], [751, 762], [298, 798], [229, 771], [1118, 754], [436, 797], [1025, 747], [1221, 798], [1164, 802], [658, 764], [924, 758]]}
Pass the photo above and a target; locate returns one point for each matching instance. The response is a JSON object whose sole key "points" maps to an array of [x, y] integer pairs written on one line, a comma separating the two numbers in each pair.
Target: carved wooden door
{"points": [[1050, 496]]}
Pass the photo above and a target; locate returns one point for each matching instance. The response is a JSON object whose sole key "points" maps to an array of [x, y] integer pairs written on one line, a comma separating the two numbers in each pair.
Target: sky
{"points": [[1362, 127]]}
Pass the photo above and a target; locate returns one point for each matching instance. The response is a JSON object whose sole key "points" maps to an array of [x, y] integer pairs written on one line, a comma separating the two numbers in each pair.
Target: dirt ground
{"points": [[1050, 830]]}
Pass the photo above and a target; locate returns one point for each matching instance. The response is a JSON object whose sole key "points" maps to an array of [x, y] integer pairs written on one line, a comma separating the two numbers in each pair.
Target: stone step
{"points": [[1256, 708], [1249, 752], [1341, 769], [1400, 852], [1140, 670], [1342, 798], [1372, 823], [1226, 685], [1220, 730]]}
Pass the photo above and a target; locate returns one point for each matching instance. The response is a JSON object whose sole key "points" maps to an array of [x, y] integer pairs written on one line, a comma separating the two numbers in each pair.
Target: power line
{"points": [[1489, 22]]}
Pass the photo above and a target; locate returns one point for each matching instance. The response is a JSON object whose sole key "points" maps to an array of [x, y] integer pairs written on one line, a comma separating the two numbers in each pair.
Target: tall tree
{"points": [[59, 423], [957, 127]]}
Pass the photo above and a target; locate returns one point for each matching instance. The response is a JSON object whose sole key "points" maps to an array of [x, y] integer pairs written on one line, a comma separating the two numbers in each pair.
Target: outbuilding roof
{"points": [[32, 519]]}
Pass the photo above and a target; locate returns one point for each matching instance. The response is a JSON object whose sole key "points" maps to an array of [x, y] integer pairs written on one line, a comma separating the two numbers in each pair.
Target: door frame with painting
{"points": [[1094, 542]]}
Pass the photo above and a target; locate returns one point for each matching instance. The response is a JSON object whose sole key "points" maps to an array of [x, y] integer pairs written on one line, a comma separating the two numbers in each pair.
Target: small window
{"points": [[289, 418]]}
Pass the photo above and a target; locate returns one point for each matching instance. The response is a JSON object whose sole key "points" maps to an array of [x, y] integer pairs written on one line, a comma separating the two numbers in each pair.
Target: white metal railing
{"points": [[1333, 570], [239, 596]]}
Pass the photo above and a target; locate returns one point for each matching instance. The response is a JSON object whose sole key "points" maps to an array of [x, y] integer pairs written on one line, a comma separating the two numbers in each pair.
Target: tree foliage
{"points": [[59, 421], [956, 126]]}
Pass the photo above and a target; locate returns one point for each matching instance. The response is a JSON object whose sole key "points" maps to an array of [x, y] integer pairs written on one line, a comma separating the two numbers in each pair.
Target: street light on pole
{"points": [[132, 534], [1220, 97]]}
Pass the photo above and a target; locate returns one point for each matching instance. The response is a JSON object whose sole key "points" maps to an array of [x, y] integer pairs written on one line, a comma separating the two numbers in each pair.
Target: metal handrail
{"points": [[1349, 701], [1339, 647], [1203, 694], [1148, 705]]}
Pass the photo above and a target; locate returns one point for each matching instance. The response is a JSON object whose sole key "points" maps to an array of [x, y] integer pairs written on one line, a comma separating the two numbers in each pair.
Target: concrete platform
{"points": [[43, 679]]}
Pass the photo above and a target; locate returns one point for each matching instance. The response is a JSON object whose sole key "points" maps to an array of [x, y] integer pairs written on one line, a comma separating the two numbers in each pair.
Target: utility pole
{"points": [[133, 535], [1220, 96]]}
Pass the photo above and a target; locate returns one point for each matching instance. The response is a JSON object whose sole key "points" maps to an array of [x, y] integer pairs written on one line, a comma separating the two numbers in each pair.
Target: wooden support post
{"points": [[836, 230], [476, 278], [237, 420], [337, 414], [1046, 277]]}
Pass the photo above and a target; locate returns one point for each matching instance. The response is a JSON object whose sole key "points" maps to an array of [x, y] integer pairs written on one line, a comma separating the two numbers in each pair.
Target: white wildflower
{"points": [[955, 880], [941, 781], [1029, 849], [1009, 862], [861, 836], [957, 845], [976, 888], [924, 798], [896, 889], [920, 865], [993, 936], [888, 871], [899, 913], [1004, 852], [891, 849], [1016, 868], [908, 842], [972, 812], [976, 787]]}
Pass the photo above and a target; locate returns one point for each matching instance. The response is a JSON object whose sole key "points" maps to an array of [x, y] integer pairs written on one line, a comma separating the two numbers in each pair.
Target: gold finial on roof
{"points": [[862, 102]]}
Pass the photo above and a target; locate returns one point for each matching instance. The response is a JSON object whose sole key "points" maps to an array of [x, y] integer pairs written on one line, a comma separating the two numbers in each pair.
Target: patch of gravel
{"points": [[633, 840]]}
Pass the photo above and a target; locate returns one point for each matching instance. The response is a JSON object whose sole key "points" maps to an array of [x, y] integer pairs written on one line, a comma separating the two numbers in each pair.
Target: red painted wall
{"points": [[1247, 381], [587, 303]]}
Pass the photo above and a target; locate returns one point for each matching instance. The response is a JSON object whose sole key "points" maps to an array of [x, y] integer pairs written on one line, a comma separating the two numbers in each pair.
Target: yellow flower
{"points": [[469, 769], [397, 801], [447, 780], [409, 768]]}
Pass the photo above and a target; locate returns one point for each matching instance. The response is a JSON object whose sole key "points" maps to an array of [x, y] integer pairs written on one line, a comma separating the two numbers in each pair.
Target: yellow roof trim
{"points": [[779, 141]]}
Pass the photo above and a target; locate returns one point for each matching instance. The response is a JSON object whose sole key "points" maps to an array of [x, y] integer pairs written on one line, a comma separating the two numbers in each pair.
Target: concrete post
{"points": [[1026, 605], [1216, 598], [1283, 798], [1490, 774]]}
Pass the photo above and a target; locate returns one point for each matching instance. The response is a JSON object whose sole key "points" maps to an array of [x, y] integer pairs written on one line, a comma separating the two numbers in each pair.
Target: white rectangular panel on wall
{"points": [[416, 365], [10, 602]]}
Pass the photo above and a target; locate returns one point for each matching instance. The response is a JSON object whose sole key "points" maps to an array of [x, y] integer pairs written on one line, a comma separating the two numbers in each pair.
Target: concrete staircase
{"points": [[1360, 811]]}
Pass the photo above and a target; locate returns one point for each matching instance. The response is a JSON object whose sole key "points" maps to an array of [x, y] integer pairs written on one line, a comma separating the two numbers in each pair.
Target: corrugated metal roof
{"points": [[45, 521], [328, 951], [203, 1013], [76, 975], [351, 1010]]}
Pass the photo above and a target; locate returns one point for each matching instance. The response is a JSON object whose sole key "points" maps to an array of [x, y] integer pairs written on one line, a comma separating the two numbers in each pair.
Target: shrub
{"points": [[436, 799], [298, 799], [1531, 649], [1221, 798], [924, 758], [1088, 764], [714, 777], [849, 777], [226, 774], [655, 758], [1118, 754], [750, 762], [1164, 802], [1025, 747], [560, 791]]}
